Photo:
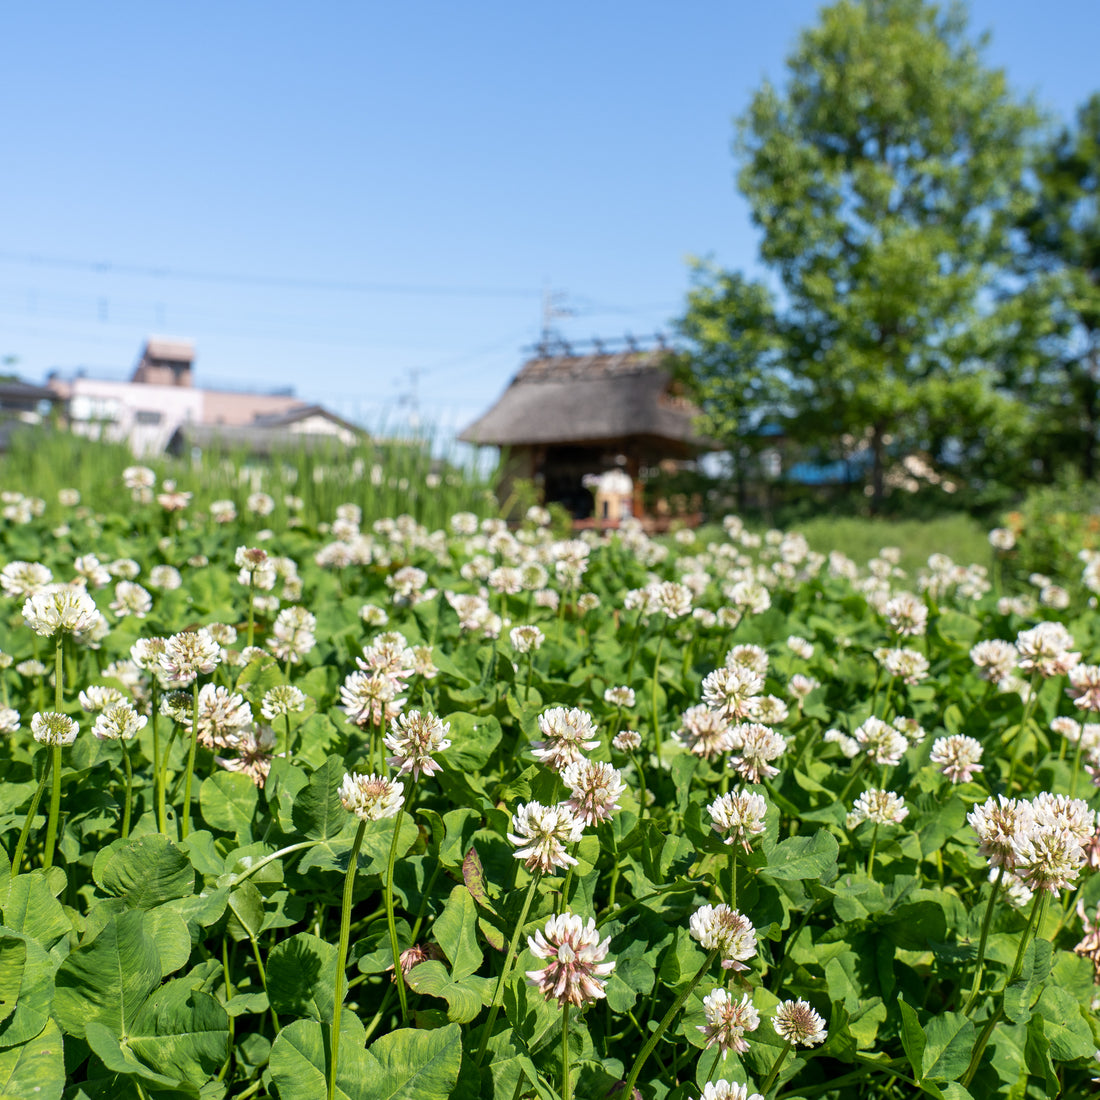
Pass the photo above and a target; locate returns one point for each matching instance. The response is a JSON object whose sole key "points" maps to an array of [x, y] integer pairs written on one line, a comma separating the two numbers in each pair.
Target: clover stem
{"points": [[566, 1088], [342, 955], [129, 789], [1033, 921], [21, 845], [186, 827], [656, 670], [871, 854], [780, 1058], [987, 921], [251, 608], [498, 995], [1021, 730], [391, 923], [628, 1088]]}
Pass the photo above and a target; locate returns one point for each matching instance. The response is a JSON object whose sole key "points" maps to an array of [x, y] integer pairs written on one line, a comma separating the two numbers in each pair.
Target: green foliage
{"points": [[883, 178]]}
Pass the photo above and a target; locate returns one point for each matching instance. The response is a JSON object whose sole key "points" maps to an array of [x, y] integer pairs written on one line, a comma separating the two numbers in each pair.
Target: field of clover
{"points": [[707, 817]]}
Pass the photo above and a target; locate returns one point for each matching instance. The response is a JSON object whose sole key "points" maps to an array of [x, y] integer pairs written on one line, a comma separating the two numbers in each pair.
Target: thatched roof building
{"points": [[569, 415]]}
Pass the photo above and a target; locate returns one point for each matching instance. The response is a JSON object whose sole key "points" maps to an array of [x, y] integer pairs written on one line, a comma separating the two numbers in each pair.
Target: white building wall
{"points": [[143, 414]]}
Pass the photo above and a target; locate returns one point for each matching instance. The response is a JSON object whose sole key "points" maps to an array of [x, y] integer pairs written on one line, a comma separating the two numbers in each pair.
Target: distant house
{"points": [[160, 400], [569, 417], [22, 403], [309, 426]]}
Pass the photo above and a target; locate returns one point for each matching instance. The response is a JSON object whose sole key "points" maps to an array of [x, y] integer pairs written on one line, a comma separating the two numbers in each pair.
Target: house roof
{"points": [[166, 348], [588, 398], [26, 391], [303, 412]]}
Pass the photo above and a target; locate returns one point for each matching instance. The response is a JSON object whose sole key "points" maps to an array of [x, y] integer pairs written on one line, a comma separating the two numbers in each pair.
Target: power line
{"points": [[288, 282]]}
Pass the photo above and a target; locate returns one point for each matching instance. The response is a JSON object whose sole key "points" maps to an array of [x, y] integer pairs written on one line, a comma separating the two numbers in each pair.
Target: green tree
{"points": [[1055, 358], [884, 179]]}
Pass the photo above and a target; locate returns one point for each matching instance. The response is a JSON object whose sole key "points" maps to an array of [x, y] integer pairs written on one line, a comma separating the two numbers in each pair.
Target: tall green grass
{"points": [[385, 478]]}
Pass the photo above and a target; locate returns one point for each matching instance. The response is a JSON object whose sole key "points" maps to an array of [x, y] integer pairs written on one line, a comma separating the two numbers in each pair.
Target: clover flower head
{"points": [[98, 697], [908, 665], [369, 697], [1047, 857], [575, 970], [882, 743], [569, 732], [60, 609], [752, 657], [800, 686], [1084, 687], [728, 1090], [998, 822], [878, 806], [731, 690], [957, 757], [526, 639], [595, 789], [800, 647], [799, 1024], [541, 834], [292, 634], [725, 930], [24, 578], [705, 732], [620, 697], [414, 740], [627, 741], [739, 815], [727, 1021], [188, 655], [9, 720], [371, 797], [51, 728], [280, 700], [1045, 649], [994, 659], [756, 745], [906, 614], [119, 722]]}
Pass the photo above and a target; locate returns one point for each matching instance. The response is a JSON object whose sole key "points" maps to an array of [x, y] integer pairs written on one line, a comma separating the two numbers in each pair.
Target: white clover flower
{"points": [[957, 757], [882, 743], [906, 614], [369, 697], [60, 608], [1059, 811], [800, 647], [99, 697], [24, 578], [907, 664], [848, 745], [878, 806], [801, 686], [1002, 538], [131, 599], [138, 477], [526, 639], [755, 746], [9, 720], [799, 1024], [732, 690], [119, 722], [1047, 857], [414, 740], [705, 732], [752, 657], [727, 1021], [256, 568], [569, 732], [282, 700], [165, 577], [188, 655], [541, 833], [725, 930], [260, 504], [595, 789], [90, 571], [371, 797], [1045, 649], [727, 1090], [627, 740], [994, 659], [739, 816], [1084, 687], [125, 569], [575, 955], [998, 822], [51, 728], [292, 634], [620, 697]]}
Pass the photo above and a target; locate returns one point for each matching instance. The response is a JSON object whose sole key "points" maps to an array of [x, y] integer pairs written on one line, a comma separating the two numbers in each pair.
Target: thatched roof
{"points": [[588, 399]]}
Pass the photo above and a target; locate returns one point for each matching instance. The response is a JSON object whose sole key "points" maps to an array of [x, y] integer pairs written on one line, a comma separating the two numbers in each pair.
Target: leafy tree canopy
{"points": [[884, 178]]}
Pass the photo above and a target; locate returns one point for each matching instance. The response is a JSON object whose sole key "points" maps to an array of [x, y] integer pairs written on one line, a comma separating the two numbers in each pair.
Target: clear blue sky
{"points": [[332, 196]]}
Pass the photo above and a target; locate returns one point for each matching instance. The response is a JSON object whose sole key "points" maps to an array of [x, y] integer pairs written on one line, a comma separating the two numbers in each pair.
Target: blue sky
{"points": [[340, 196]]}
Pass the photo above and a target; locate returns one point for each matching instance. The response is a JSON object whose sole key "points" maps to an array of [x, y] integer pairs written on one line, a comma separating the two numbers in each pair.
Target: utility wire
{"points": [[289, 282]]}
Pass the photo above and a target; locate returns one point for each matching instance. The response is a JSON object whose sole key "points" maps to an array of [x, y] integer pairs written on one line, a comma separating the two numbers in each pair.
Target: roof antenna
{"points": [[553, 306]]}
